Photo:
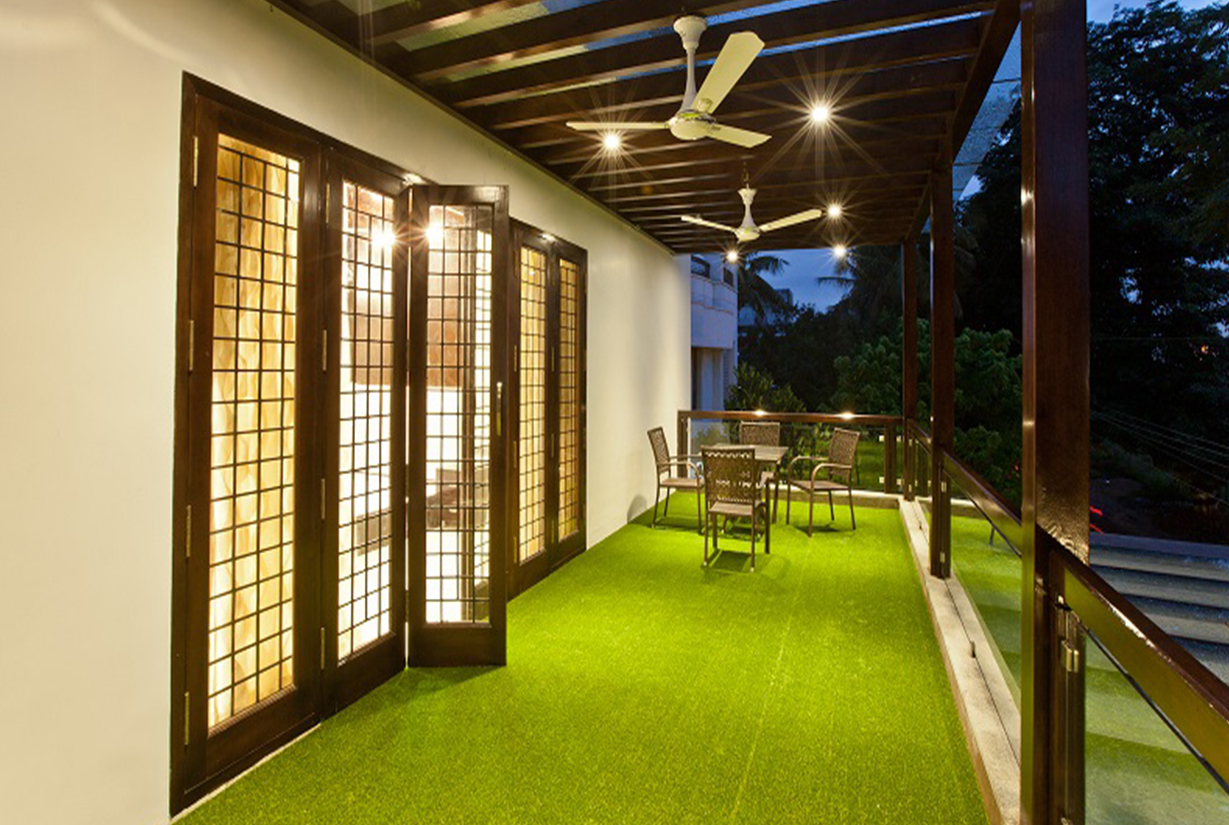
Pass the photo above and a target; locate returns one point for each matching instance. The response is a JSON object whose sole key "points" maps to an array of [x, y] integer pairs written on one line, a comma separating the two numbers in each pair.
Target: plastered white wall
{"points": [[90, 102]]}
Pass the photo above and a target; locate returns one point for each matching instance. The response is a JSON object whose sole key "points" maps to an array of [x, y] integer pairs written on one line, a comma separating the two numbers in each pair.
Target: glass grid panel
{"points": [[458, 316], [364, 518], [533, 404], [569, 398], [251, 520]]}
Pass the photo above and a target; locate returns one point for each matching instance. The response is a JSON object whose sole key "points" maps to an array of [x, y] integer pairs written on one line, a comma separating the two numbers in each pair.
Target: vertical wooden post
{"points": [[1054, 463], [908, 382], [889, 459], [942, 361]]}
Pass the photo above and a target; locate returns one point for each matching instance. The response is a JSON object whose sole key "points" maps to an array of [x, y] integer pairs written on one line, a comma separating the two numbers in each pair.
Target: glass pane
{"points": [[570, 423], [251, 525], [458, 413], [365, 525], [1138, 771], [533, 368]]}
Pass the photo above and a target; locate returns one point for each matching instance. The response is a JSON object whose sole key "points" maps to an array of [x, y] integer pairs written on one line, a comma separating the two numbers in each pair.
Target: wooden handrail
{"points": [[794, 417], [997, 510], [1190, 696]]}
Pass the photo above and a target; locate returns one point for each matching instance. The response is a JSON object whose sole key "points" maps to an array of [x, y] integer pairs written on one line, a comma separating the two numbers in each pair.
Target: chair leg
{"points": [[768, 535], [700, 509], [666, 514], [705, 531], [811, 515], [753, 525], [853, 521], [831, 509], [656, 501], [789, 496]]}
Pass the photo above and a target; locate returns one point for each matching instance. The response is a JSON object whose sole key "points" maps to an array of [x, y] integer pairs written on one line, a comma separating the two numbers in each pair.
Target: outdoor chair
{"points": [[668, 482], [840, 463], [733, 490], [764, 434]]}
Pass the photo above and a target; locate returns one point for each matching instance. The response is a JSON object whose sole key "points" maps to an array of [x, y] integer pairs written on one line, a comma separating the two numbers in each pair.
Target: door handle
{"points": [[499, 409]]}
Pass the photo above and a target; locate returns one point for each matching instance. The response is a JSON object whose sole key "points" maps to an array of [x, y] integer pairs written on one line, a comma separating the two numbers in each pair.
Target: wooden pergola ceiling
{"points": [[904, 80]]}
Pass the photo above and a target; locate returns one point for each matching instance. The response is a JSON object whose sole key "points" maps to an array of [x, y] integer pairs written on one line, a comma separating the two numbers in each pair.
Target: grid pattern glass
{"points": [[533, 404], [458, 316], [364, 515], [569, 398], [252, 501]]}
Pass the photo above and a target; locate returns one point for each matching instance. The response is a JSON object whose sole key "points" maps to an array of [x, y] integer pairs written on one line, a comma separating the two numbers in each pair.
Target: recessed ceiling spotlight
{"points": [[834, 210], [821, 113], [839, 251], [732, 256], [611, 141]]}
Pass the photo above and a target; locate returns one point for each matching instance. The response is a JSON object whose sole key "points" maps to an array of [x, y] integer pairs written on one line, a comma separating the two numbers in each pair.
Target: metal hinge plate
{"points": [[196, 159], [324, 499], [188, 533], [322, 647], [324, 352], [187, 717], [1071, 657], [191, 345]]}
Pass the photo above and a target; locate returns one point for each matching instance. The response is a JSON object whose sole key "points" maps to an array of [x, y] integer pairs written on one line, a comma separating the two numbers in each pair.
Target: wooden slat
{"points": [[564, 29], [878, 51], [406, 19]]}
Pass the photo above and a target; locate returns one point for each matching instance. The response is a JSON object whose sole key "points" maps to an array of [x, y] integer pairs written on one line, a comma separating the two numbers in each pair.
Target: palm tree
{"points": [[753, 289]]}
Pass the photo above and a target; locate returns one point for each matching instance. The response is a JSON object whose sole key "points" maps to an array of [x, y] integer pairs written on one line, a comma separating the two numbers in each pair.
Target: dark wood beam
{"points": [[559, 30], [789, 86], [942, 361], [403, 20], [865, 199], [999, 31], [823, 192], [962, 36], [1055, 455], [908, 355]]}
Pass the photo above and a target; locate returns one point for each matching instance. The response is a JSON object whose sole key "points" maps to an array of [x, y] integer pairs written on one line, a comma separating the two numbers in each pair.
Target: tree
{"points": [[754, 290]]}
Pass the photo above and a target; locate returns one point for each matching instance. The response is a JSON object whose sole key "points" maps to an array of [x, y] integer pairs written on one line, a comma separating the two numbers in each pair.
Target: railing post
{"points": [[942, 360], [889, 458], [908, 355], [682, 441], [1055, 449]]}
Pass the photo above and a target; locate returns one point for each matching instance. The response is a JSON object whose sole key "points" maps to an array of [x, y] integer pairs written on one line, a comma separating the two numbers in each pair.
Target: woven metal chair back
{"points": [[661, 452], [731, 475], [760, 433], [843, 450]]}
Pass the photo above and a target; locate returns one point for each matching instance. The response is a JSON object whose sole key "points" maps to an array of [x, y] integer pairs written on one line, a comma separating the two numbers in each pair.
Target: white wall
{"points": [[90, 95]]}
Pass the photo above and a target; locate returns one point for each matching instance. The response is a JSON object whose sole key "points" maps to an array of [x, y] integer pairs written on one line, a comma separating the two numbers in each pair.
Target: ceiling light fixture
{"points": [[821, 113], [732, 256], [839, 251], [834, 210], [611, 141]]}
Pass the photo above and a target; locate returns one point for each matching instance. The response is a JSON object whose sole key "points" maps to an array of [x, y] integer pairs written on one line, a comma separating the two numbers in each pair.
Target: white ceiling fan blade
{"points": [[809, 215], [592, 126], [701, 222], [736, 56], [739, 137]]}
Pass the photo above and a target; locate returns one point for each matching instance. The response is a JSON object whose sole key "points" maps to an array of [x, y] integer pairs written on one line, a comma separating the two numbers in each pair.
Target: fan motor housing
{"points": [[691, 125]]}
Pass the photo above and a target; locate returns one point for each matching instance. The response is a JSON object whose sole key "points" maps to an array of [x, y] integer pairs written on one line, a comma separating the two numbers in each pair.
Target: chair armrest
{"points": [[666, 469], [789, 468], [831, 466]]}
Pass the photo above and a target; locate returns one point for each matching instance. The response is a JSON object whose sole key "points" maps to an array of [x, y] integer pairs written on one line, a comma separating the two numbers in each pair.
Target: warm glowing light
{"points": [[732, 256], [839, 251], [848, 416], [760, 412], [1025, 197], [821, 113], [834, 210], [549, 238], [435, 234], [384, 238], [611, 141]]}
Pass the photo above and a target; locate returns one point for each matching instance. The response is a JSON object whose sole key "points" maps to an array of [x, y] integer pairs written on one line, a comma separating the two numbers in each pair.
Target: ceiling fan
{"points": [[694, 119], [747, 230]]}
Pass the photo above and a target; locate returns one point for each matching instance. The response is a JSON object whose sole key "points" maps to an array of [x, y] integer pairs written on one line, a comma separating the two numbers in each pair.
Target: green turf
{"points": [[1138, 772], [641, 688]]}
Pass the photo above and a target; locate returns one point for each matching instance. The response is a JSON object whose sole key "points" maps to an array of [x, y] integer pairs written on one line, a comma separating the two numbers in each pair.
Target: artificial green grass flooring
{"points": [[1137, 771], [641, 688]]}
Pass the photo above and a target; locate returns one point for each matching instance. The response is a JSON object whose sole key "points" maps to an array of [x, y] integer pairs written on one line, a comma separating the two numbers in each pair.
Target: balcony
{"points": [[642, 688]]}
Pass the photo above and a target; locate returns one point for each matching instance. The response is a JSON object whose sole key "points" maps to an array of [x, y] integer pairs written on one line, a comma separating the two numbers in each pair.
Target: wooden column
{"points": [[1054, 463], [942, 361], [908, 377]]}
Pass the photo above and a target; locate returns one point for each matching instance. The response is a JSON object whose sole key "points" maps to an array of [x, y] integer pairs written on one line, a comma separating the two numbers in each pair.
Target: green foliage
{"points": [[754, 389]]}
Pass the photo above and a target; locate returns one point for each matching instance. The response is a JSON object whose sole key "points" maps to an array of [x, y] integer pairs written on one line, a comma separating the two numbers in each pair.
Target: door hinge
{"points": [[322, 647], [1071, 657], [191, 345], [324, 352], [328, 204], [187, 718], [324, 498], [196, 159], [187, 542]]}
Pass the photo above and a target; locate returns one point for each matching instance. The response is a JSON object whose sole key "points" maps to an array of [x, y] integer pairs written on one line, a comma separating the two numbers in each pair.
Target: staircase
{"points": [[1182, 586]]}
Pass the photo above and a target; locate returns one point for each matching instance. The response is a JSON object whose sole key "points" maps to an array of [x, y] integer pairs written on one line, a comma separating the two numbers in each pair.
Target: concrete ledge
{"points": [[988, 713]]}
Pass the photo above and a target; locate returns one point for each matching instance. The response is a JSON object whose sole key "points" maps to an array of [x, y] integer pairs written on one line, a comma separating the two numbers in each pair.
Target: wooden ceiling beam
{"points": [[960, 36], [402, 20], [825, 189], [583, 25]]}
